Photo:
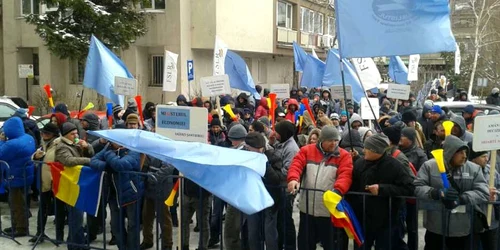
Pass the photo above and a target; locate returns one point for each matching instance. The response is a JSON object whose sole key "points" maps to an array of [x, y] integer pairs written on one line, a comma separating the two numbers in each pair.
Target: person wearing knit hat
{"points": [[494, 98], [409, 147], [236, 135], [379, 174], [215, 134], [255, 142], [21, 113], [393, 133], [90, 121], [314, 216], [409, 117], [67, 128], [132, 121]]}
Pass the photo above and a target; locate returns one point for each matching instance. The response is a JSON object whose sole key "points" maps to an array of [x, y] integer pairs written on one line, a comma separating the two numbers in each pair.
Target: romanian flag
{"points": [[77, 186], [343, 216]]}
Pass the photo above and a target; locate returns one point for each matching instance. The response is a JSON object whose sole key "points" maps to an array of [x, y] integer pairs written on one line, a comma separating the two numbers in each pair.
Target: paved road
{"points": [[50, 231]]}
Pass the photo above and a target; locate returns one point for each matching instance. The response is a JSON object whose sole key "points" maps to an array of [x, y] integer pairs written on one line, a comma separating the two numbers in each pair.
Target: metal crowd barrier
{"points": [[287, 237]]}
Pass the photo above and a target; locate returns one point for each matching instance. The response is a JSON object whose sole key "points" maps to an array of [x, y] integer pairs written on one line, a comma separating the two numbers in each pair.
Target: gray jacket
{"points": [[286, 150], [473, 190], [494, 217], [460, 121]]}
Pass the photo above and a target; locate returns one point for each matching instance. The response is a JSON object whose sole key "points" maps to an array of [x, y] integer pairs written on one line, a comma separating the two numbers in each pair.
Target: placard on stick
{"points": [[398, 91], [486, 133], [215, 85], [338, 92], [182, 123], [366, 112], [282, 90], [125, 86]]}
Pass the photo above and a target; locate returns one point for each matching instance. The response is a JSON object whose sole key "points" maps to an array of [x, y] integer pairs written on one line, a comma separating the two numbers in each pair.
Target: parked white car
{"points": [[9, 105]]}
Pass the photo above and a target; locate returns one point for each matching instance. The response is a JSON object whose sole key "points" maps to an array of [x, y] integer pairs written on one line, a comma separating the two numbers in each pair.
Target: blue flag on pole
{"points": [[233, 175], [314, 69], [239, 75], [398, 71], [333, 76], [369, 28], [299, 57], [101, 68]]}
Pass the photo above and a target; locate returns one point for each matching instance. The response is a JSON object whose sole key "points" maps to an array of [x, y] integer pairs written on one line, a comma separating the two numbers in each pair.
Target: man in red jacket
{"points": [[326, 167]]}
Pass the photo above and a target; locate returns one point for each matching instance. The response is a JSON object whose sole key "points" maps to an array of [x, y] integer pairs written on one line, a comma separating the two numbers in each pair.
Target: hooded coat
{"points": [[415, 155], [290, 116], [287, 148], [460, 121], [17, 151], [427, 124], [183, 99], [329, 104], [493, 99], [262, 109], [356, 143], [468, 177]]}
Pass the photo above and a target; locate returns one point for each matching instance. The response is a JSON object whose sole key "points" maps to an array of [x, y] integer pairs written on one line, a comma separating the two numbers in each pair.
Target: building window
{"points": [[312, 22], [318, 23], [284, 15], [156, 70], [331, 26], [153, 4], [78, 72], [36, 69], [30, 7]]}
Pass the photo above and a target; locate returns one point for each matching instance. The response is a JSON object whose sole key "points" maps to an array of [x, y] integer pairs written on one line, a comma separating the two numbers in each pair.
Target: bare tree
{"points": [[484, 11]]}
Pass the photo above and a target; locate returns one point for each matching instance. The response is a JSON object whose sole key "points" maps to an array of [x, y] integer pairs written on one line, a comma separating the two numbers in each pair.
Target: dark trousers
{"points": [[129, 238], [216, 218], [43, 210], [61, 213], [384, 239], [287, 236], [412, 226], [435, 242], [149, 209], [19, 210], [75, 226], [489, 239], [202, 209], [312, 228]]}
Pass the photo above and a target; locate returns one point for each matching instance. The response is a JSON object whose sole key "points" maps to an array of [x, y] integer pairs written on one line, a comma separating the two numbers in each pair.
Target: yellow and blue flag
{"points": [[78, 186]]}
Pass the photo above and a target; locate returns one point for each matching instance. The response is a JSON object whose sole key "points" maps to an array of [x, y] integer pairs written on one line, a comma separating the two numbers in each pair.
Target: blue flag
{"points": [[101, 68], [314, 69], [239, 75], [233, 175], [369, 28], [333, 76], [398, 71], [299, 57]]}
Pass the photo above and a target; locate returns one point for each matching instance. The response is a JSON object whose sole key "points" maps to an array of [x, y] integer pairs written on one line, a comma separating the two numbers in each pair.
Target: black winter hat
{"points": [[255, 140], [393, 133], [50, 128], [473, 154], [409, 133], [376, 143], [258, 126], [215, 121], [285, 129], [409, 116], [68, 127]]}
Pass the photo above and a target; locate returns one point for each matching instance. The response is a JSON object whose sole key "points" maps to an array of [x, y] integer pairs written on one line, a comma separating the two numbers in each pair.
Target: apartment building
{"points": [[261, 31]]}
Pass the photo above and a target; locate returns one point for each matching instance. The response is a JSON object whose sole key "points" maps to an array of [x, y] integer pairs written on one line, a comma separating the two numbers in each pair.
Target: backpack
{"points": [[413, 169]]}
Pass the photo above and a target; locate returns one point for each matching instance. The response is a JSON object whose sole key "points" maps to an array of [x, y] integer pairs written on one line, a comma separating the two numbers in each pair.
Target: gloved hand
{"points": [[436, 194], [338, 192], [450, 199]]}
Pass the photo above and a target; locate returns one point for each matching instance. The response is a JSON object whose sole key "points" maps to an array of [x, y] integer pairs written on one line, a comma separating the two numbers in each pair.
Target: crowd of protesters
{"points": [[329, 148]]}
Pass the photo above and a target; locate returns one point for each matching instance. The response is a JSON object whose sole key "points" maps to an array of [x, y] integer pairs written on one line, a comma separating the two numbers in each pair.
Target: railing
{"points": [[273, 228]]}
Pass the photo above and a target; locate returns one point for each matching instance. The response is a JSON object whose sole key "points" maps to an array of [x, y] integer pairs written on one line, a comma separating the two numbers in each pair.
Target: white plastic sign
{"points": [[486, 133], [282, 90], [398, 91], [338, 92], [366, 112], [125, 86], [182, 123], [215, 85]]}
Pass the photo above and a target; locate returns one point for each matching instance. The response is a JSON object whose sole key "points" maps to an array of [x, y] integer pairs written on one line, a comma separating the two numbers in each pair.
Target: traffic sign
{"points": [[190, 70]]}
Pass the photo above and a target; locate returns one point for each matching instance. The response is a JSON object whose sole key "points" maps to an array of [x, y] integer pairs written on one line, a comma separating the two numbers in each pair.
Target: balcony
{"points": [[309, 40], [286, 35]]}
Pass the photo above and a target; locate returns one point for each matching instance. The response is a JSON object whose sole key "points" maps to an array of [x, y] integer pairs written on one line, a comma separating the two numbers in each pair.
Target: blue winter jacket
{"points": [[17, 151], [129, 187]]}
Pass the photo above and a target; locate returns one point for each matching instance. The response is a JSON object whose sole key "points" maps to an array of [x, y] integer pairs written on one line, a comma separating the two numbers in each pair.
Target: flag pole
{"points": [[81, 101]]}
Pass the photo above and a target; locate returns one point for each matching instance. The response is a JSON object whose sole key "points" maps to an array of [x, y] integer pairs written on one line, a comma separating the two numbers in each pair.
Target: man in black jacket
{"points": [[384, 177]]}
